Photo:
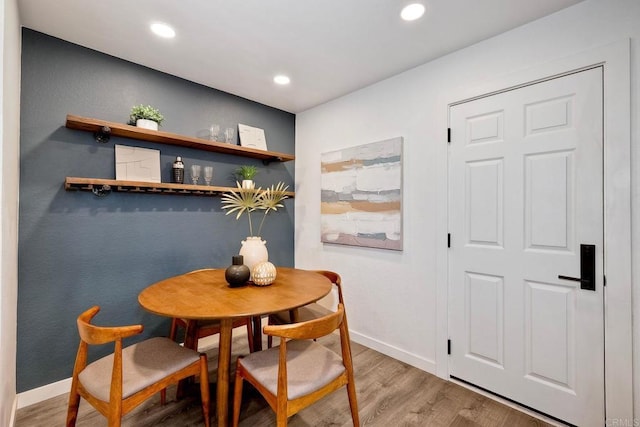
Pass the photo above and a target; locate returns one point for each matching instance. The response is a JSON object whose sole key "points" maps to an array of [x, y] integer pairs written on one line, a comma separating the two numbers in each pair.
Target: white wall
{"points": [[9, 177], [391, 297]]}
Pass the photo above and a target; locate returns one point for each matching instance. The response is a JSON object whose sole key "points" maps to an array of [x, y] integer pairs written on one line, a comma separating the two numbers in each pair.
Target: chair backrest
{"points": [[335, 279], [311, 329], [95, 335]]}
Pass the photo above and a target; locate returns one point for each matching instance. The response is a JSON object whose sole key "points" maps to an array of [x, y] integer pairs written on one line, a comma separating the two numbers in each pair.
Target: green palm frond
{"points": [[249, 200], [271, 198]]}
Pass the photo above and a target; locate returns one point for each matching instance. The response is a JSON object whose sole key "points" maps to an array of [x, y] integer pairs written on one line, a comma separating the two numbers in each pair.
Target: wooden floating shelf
{"points": [[101, 187], [104, 129]]}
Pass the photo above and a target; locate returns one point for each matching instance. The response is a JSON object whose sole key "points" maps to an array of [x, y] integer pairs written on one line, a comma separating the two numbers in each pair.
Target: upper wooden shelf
{"points": [[118, 129]]}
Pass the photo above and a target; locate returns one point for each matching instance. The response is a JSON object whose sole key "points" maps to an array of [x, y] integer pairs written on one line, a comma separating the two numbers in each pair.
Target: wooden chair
{"points": [[308, 312], [301, 371], [117, 383]]}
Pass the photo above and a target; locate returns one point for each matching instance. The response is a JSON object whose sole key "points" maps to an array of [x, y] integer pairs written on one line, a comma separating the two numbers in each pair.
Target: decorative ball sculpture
{"points": [[264, 273]]}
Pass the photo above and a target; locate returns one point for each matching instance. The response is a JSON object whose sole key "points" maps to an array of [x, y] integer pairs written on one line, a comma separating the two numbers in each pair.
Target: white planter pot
{"points": [[147, 124], [248, 184], [254, 251]]}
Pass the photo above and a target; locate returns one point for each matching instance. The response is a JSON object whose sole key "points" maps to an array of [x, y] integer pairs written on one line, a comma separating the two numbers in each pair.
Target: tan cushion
{"points": [[143, 364], [310, 366], [308, 312]]}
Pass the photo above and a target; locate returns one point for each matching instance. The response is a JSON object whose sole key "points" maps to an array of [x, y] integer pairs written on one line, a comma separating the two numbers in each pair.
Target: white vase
{"points": [[147, 124], [248, 184], [254, 251]]}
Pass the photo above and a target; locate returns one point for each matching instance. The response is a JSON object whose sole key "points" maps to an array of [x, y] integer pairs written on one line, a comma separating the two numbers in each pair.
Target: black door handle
{"points": [[587, 277]]}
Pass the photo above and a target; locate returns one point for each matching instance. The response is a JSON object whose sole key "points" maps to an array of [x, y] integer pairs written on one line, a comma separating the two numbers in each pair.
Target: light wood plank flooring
{"points": [[390, 393]]}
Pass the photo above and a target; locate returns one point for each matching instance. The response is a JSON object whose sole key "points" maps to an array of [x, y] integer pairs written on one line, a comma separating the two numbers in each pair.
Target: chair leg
{"points": [[353, 403], [74, 404], [237, 396], [174, 329], [281, 419], [204, 390]]}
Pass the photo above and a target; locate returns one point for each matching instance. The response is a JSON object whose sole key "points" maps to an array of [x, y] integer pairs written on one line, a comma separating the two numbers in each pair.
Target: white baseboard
{"points": [[45, 392], [395, 352]]}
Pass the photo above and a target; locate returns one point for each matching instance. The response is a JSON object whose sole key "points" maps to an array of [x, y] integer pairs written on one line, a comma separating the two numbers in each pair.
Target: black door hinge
{"points": [[448, 240], [449, 347], [449, 135], [604, 281]]}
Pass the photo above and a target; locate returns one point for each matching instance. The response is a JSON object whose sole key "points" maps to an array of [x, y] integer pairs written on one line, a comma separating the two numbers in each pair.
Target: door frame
{"points": [[615, 59]]}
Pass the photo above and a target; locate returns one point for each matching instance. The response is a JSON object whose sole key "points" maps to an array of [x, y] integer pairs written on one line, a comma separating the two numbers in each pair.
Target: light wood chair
{"points": [[117, 383], [307, 312], [299, 372]]}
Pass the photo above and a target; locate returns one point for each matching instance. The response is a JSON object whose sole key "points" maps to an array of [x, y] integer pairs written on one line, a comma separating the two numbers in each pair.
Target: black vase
{"points": [[237, 274]]}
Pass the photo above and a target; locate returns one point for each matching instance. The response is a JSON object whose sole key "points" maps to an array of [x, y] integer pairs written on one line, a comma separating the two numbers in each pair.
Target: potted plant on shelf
{"points": [[146, 117], [246, 173], [241, 200]]}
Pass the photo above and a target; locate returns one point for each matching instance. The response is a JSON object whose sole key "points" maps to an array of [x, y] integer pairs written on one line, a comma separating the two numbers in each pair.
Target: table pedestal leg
{"points": [[224, 360]]}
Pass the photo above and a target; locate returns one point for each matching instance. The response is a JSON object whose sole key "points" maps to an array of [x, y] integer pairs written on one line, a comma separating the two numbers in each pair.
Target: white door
{"points": [[525, 193]]}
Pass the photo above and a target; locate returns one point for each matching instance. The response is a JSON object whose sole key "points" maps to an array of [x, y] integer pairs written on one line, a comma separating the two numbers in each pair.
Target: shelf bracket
{"points": [[274, 159], [102, 190], [103, 135]]}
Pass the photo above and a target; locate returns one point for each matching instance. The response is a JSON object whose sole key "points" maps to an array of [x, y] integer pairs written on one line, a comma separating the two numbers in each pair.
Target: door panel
{"points": [[525, 174]]}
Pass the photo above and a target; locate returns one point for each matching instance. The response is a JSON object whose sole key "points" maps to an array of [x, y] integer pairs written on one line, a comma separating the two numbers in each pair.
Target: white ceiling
{"points": [[328, 47]]}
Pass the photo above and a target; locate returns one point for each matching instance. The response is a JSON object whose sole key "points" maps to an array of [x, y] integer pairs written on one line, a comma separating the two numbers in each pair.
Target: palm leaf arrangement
{"points": [[249, 200]]}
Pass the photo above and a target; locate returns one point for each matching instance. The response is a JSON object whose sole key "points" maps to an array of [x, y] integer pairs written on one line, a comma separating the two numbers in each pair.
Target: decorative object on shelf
{"points": [[361, 195], [263, 273], [137, 164], [208, 175], [146, 117], [178, 171], [247, 200], [229, 133], [251, 137], [246, 173], [237, 274], [254, 250], [195, 173], [214, 132]]}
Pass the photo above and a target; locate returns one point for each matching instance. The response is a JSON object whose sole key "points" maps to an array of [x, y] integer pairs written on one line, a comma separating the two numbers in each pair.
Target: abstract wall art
{"points": [[361, 195]]}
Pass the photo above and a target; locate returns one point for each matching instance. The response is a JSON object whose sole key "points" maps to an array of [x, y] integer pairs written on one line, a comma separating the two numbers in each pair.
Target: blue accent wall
{"points": [[77, 250]]}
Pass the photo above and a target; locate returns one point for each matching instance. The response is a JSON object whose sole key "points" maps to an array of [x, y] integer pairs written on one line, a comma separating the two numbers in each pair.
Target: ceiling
{"points": [[327, 47]]}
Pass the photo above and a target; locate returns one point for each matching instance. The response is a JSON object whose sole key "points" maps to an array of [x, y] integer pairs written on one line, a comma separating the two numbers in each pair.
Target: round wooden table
{"points": [[205, 294]]}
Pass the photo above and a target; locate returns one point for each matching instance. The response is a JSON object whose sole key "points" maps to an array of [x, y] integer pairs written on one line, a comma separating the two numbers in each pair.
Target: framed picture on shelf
{"points": [[252, 137], [137, 164]]}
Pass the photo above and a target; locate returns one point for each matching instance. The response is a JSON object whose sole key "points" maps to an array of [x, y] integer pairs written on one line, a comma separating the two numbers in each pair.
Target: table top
{"points": [[205, 294]]}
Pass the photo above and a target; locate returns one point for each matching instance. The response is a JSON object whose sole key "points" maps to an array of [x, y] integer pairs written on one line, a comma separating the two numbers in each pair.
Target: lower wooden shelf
{"points": [[102, 187]]}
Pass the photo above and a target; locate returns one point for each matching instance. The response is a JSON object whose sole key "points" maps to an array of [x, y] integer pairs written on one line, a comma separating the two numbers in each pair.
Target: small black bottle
{"points": [[178, 171]]}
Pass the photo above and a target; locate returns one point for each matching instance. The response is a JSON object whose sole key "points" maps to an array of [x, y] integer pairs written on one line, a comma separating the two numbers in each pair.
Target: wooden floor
{"points": [[390, 393]]}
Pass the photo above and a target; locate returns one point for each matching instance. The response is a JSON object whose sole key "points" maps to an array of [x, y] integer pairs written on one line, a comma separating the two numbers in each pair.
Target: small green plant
{"points": [[247, 172], [145, 112]]}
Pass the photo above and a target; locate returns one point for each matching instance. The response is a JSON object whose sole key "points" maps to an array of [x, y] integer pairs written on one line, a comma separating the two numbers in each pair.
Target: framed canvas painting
{"points": [[361, 195]]}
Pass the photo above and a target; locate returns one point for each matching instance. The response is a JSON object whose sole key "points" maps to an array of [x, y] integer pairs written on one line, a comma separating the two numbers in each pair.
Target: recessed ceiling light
{"points": [[163, 30], [282, 79], [412, 12]]}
